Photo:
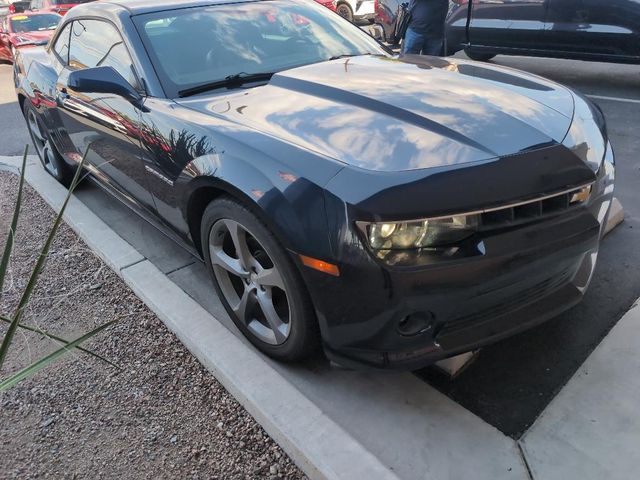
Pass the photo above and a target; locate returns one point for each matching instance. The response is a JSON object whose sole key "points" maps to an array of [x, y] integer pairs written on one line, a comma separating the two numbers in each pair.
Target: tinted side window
{"points": [[61, 46], [98, 44]]}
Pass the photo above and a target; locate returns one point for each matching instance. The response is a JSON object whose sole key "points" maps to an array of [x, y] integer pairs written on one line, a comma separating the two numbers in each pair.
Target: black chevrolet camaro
{"points": [[394, 211]]}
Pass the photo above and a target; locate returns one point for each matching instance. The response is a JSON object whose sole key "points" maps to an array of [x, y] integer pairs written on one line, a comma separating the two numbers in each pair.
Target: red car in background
{"points": [[25, 29], [56, 6], [330, 4]]}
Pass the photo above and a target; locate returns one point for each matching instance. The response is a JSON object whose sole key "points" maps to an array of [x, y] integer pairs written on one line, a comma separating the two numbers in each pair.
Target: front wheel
{"points": [[480, 57], [257, 282], [345, 11], [49, 156]]}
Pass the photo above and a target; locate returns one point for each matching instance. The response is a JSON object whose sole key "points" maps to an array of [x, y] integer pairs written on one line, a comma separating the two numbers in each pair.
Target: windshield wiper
{"points": [[347, 55], [229, 81]]}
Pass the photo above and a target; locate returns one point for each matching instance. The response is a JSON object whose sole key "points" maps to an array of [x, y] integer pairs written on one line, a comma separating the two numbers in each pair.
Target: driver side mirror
{"points": [[103, 80]]}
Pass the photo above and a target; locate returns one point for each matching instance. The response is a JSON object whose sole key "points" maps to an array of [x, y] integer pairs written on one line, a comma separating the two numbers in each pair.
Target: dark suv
{"points": [[581, 29]]}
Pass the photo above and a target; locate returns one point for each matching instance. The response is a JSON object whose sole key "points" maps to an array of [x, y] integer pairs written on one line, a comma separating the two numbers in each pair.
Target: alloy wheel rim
{"points": [[42, 143], [250, 281], [344, 12]]}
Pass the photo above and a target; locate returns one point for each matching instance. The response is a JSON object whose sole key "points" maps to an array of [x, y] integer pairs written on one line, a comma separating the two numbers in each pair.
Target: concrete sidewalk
{"points": [[591, 430]]}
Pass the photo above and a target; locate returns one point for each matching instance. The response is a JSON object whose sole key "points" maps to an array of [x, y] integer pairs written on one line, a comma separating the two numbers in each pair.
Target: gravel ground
{"points": [[162, 416]]}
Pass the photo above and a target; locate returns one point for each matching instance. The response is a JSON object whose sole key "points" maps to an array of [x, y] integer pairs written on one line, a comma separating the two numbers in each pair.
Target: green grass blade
{"points": [[52, 357], [40, 263], [61, 340], [8, 247]]}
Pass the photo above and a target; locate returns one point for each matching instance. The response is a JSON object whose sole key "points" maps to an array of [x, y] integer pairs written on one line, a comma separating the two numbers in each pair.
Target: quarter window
{"points": [[61, 46], [98, 44]]}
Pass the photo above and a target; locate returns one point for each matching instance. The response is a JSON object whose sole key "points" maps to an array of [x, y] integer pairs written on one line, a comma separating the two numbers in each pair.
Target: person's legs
{"points": [[433, 41], [413, 42], [432, 45]]}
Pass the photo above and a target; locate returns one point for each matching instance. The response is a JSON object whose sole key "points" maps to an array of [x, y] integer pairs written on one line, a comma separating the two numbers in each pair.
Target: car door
{"points": [[508, 23], [104, 125], [610, 28]]}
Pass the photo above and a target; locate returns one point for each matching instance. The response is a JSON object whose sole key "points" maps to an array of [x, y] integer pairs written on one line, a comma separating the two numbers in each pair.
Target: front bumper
{"points": [[523, 276]]}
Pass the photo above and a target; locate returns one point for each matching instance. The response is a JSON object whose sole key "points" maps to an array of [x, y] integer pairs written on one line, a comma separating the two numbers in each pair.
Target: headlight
{"points": [[586, 137], [425, 233]]}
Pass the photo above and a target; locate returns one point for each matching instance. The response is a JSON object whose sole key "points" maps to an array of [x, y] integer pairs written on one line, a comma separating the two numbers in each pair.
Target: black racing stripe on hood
{"points": [[354, 99]]}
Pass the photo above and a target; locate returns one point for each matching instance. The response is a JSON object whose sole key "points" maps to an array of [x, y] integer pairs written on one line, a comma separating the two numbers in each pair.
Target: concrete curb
{"points": [[616, 216], [319, 446], [102, 240]]}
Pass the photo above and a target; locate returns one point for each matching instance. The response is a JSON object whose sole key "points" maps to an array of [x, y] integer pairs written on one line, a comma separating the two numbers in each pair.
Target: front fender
{"points": [[194, 155], [35, 79], [290, 205]]}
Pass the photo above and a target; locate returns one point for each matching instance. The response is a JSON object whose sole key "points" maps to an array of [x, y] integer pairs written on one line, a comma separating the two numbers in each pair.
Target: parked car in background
{"points": [[7, 8], [330, 4], [580, 29], [357, 10], [25, 29], [55, 6], [394, 211]]}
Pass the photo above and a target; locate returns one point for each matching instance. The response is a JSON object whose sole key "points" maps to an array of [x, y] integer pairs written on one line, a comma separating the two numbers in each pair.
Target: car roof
{"points": [[139, 7]]}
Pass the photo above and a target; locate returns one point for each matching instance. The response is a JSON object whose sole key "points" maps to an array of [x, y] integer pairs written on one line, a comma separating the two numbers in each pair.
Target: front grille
{"points": [[534, 209], [510, 303]]}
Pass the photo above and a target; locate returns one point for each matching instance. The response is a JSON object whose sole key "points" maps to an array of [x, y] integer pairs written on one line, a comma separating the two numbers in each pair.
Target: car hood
{"points": [[396, 114], [36, 37]]}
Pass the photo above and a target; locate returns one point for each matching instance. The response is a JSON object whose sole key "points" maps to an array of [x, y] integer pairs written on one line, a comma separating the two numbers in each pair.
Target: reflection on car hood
{"points": [[35, 37], [391, 114]]}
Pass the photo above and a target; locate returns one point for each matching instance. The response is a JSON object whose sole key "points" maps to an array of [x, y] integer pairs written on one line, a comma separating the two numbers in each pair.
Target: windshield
{"points": [[34, 23], [196, 46]]}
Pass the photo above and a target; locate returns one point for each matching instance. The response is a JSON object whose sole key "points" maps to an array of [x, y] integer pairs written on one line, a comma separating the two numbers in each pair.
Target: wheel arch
{"points": [[21, 98], [289, 202], [204, 190]]}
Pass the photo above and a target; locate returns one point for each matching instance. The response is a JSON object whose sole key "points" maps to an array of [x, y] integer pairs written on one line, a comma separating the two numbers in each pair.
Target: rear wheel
{"points": [[257, 282], [344, 10], [49, 156], [480, 57]]}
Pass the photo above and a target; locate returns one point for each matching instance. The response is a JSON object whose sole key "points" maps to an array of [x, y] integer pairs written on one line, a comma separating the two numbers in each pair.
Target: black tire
{"points": [[302, 340], [51, 160], [479, 57], [345, 11]]}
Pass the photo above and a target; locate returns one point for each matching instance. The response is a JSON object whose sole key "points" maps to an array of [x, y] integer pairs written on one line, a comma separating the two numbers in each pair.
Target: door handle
{"points": [[62, 97]]}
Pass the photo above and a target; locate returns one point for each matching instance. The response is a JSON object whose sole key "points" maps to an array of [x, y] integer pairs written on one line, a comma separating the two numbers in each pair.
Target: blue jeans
{"points": [[415, 42]]}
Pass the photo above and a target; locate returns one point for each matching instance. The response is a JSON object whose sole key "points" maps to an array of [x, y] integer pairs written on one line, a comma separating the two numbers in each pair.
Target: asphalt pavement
{"points": [[13, 132], [510, 382]]}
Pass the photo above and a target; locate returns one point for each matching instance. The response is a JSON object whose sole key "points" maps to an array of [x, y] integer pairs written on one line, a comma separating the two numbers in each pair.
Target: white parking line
{"points": [[614, 99]]}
